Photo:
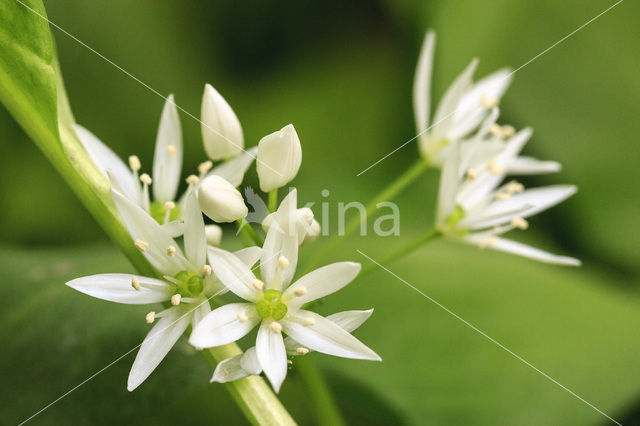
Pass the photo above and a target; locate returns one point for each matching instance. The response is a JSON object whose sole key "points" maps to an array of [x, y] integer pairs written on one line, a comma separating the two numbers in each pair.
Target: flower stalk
{"points": [[404, 251]]}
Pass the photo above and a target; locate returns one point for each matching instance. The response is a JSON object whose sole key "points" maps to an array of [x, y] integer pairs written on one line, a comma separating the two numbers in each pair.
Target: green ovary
{"points": [[271, 305], [158, 212], [190, 284]]}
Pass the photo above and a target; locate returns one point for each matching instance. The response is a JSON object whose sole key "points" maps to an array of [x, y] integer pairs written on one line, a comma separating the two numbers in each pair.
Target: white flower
{"points": [[306, 227], [220, 200], [247, 364], [279, 158], [221, 130], [462, 108], [275, 305], [476, 210], [187, 282]]}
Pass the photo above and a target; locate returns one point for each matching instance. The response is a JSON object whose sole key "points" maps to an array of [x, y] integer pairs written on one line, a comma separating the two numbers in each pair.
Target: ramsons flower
{"points": [[306, 227], [279, 158], [220, 200], [275, 306], [462, 108], [476, 209], [186, 284], [247, 364]]}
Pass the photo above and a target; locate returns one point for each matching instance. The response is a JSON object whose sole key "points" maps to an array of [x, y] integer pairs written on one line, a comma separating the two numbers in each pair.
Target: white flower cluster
{"points": [[475, 204], [171, 234]]}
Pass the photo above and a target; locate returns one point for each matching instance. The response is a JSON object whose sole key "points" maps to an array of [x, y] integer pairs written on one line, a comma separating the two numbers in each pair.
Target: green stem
{"points": [[324, 407], [387, 194], [273, 200], [403, 251], [252, 394], [248, 234]]}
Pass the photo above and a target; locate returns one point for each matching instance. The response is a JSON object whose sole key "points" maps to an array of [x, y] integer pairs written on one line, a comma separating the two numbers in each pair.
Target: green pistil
{"points": [[190, 284], [158, 212], [456, 216], [271, 305]]}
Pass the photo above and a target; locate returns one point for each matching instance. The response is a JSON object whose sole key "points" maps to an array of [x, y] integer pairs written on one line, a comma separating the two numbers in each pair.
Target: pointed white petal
{"points": [[118, 288], [449, 183], [531, 166], [509, 246], [233, 170], [271, 355], [223, 325], [175, 228], [281, 240], [445, 114], [249, 255], [221, 130], [201, 310], [233, 273], [229, 370], [326, 337], [250, 363], [106, 159], [157, 344], [195, 239], [167, 160], [321, 282], [142, 226], [422, 83]]}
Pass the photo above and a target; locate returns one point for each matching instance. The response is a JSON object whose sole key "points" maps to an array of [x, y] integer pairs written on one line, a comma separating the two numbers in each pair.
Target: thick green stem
{"points": [[273, 200], [387, 194], [325, 409], [403, 251]]}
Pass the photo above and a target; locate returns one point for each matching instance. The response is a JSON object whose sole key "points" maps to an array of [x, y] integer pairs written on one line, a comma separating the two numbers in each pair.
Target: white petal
{"points": [[520, 249], [213, 234], [221, 130], [167, 160], [531, 166], [233, 273], [249, 255], [321, 282], [422, 83], [326, 337], [250, 363], [143, 227], [233, 170], [271, 355], [201, 310], [281, 240], [229, 370], [106, 159], [157, 344], [118, 288], [223, 325], [279, 158], [220, 200], [449, 183], [195, 239], [175, 228]]}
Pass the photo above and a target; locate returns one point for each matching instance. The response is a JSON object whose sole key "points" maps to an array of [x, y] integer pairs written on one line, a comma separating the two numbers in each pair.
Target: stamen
{"points": [[488, 102], [206, 270], [503, 195], [141, 245], [302, 351], [514, 187], [258, 284], [171, 251], [171, 150], [135, 284], [276, 327], [169, 205], [134, 163], [283, 262], [494, 167], [150, 317], [193, 180], [145, 178], [175, 299], [471, 174], [519, 223], [242, 317], [496, 130], [203, 168], [300, 291], [308, 321], [489, 241], [508, 131]]}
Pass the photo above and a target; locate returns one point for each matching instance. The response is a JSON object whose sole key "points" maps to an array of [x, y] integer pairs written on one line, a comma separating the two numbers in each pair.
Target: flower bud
{"points": [[313, 232], [221, 130], [307, 228], [220, 200], [214, 235], [279, 158]]}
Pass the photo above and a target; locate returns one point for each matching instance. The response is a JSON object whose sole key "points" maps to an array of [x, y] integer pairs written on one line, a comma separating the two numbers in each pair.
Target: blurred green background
{"points": [[342, 73]]}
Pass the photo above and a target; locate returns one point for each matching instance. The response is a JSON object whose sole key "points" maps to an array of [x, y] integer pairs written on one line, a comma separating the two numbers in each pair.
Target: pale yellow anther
{"points": [[300, 291], [519, 223], [302, 351], [171, 251], [276, 327], [171, 150], [169, 205], [203, 168], [283, 262], [503, 196], [508, 131], [193, 180], [134, 163], [150, 317], [472, 174], [514, 187], [206, 270], [488, 102], [308, 321], [145, 178], [242, 317], [488, 242], [494, 167], [135, 283], [175, 299], [495, 130], [141, 245], [257, 284]]}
